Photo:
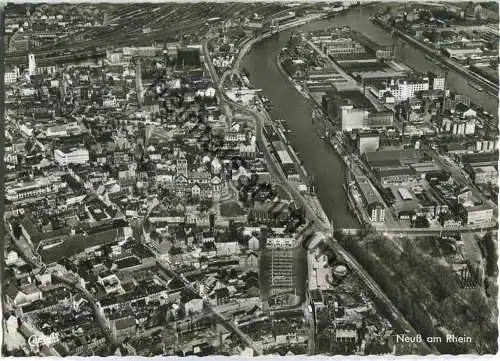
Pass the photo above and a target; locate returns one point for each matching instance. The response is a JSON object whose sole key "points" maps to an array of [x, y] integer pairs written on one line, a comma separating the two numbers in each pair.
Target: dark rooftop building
{"points": [[392, 158], [480, 158], [351, 97]]}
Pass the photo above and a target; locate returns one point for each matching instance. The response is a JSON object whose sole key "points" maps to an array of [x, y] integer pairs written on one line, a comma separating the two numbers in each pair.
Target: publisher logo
{"points": [[43, 340]]}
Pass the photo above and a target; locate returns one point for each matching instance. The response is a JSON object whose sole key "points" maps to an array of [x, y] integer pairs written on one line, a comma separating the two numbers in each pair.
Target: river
{"points": [[318, 157]]}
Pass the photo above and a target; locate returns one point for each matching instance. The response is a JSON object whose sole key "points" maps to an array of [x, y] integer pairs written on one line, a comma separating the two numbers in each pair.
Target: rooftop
{"points": [[351, 97]]}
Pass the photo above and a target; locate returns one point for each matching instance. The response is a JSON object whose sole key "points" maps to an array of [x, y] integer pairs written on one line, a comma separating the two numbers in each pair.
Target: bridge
{"points": [[324, 226]]}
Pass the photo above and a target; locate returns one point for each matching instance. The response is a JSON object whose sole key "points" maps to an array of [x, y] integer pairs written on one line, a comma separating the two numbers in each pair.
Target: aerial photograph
{"points": [[250, 178]]}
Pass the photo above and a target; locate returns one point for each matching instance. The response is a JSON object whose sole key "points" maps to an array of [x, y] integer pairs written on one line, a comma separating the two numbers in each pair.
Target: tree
{"points": [[491, 254], [254, 178], [479, 307], [211, 219], [232, 274], [206, 204], [16, 229], [408, 248], [181, 312], [5, 351]]}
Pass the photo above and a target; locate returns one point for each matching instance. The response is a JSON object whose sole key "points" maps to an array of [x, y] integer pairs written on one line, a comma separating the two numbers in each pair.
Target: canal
{"points": [[318, 157]]}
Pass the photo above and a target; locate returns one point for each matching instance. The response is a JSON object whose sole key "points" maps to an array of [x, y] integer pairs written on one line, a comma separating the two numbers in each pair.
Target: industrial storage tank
{"points": [[340, 271]]}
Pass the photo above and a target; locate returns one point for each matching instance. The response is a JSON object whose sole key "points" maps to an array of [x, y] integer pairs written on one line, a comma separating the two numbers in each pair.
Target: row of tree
{"points": [[390, 283], [426, 292]]}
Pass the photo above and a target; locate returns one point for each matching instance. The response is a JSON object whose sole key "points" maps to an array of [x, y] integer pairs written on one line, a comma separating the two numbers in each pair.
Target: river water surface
{"points": [[318, 157]]}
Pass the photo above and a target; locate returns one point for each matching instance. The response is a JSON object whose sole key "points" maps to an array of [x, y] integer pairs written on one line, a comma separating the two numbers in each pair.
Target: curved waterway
{"points": [[318, 157]]}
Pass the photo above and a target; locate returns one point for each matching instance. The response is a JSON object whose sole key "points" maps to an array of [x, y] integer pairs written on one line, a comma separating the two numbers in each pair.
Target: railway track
{"points": [[126, 28]]}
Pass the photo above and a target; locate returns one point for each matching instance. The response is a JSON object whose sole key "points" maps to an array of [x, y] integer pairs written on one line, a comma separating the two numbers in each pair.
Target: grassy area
{"points": [[427, 293]]}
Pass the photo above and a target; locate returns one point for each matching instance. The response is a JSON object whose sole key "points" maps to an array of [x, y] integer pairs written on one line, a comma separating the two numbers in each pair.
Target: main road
{"points": [[324, 226], [319, 158], [229, 324], [458, 175], [101, 320], [449, 63], [397, 316]]}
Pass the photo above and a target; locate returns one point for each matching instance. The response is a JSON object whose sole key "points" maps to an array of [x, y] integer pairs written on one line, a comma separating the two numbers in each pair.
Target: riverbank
{"points": [[290, 103], [332, 141], [435, 55], [247, 45], [352, 201], [337, 147], [303, 91]]}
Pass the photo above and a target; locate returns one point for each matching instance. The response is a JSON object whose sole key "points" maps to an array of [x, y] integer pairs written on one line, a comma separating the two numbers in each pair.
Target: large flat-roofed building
{"points": [[462, 53], [368, 142], [355, 111], [405, 195], [379, 75], [480, 159], [485, 175], [478, 215], [338, 41], [334, 47], [396, 176], [351, 107], [322, 74], [375, 208], [379, 119], [429, 205], [146, 51], [37, 188], [355, 98], [393, 158], [71, 156], [454, 99], [425, 168], [404, 199], [407, 88], [352, 118]]}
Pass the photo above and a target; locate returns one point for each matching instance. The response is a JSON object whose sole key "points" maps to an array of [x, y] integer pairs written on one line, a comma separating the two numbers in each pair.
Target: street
{"points": [[323, 225], [101, 321], [230, 325], [458, 175]]}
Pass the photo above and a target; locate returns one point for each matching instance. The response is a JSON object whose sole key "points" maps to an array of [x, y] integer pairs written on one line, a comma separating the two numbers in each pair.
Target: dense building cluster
{"points": [[387, 114], [153, 206]]}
